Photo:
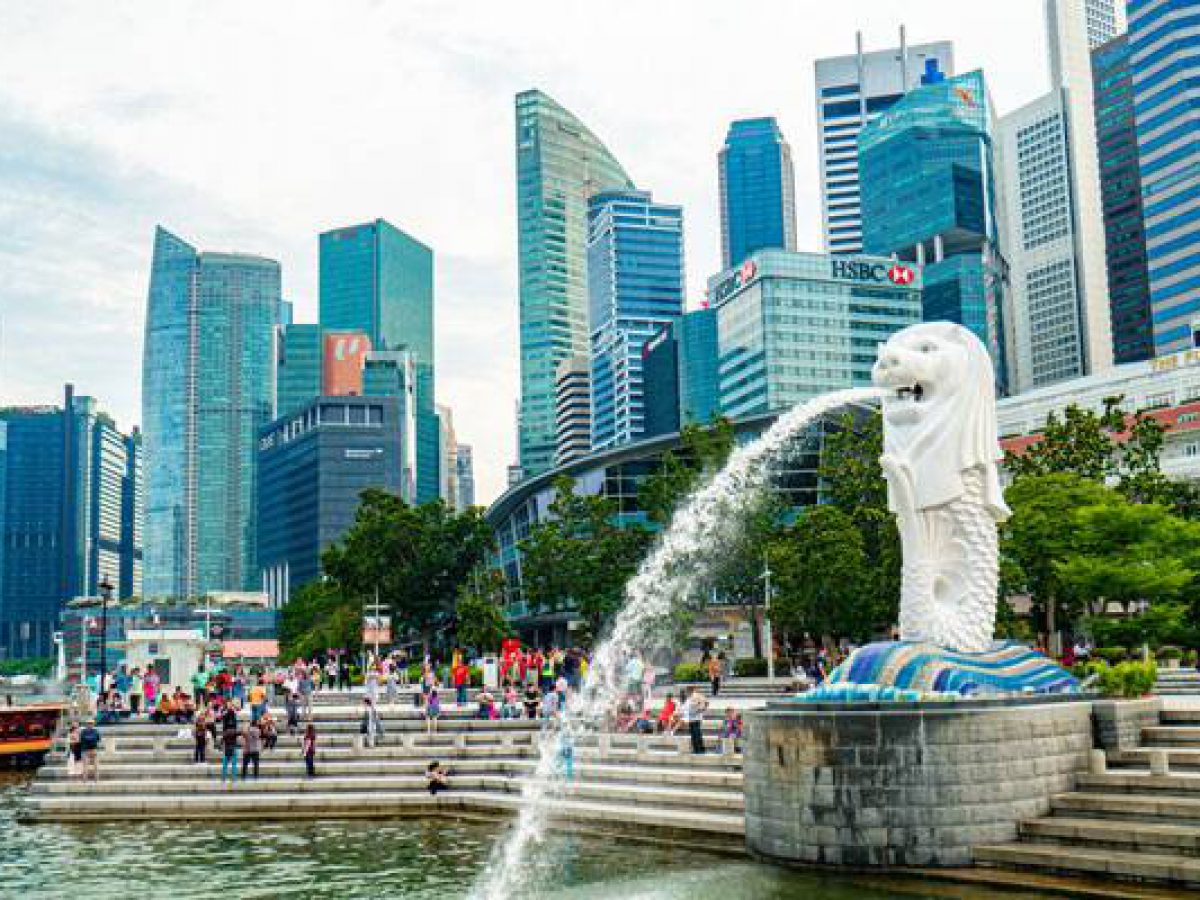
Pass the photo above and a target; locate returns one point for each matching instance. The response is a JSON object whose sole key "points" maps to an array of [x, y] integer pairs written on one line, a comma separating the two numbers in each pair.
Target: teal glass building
{"points": [[793, 326], [636, 286], [377, 279], [928, 188], [699, 388], [208, 386], [560, 165], [299, 359], [758, 190]]}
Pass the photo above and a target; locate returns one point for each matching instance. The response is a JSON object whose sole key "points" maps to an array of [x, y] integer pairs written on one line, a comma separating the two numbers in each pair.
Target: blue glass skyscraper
{"points": [[758, 190], [378, 280], [635, 286], [208, 386], [927, 181], [1165, 60], [1121, 194], [560, 165]]}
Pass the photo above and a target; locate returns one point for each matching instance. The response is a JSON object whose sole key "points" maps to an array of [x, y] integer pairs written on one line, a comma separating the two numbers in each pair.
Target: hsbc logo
{"points": [[855, 270], [742, 276]]}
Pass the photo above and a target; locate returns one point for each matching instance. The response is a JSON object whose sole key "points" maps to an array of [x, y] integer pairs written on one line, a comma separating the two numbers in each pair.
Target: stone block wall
{"points": [[905, 784], [1118, 724]]}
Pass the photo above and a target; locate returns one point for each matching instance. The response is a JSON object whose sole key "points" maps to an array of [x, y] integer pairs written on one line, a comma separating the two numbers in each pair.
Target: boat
{"points": [[27, 733]]}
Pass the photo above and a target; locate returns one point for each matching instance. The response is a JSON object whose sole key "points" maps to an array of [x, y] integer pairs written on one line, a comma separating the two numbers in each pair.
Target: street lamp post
{"points": [[106, 590], [768, 637]]}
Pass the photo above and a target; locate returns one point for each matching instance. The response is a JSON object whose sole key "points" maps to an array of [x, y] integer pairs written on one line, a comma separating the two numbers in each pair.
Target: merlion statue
{"points": [[940, 451]]}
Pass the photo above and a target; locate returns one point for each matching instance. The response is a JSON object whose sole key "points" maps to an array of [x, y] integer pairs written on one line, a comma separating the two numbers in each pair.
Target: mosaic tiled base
{"points": [[902, 671]]}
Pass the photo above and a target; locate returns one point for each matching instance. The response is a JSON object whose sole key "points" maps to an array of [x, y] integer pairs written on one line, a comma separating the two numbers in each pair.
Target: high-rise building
{"points": [[378, 280], [1165, 60], [660, 383], [573, 409], [850, 92], [1052, 214], [636, 285], [344, 355], [1121, 194], [448, 448], [68, 516], [758, 190], [208, 386], [928, 186], [313, 467], [298, 379], [393, 373], [793, 326], [560, 165], [699, 388], [466, 477]]}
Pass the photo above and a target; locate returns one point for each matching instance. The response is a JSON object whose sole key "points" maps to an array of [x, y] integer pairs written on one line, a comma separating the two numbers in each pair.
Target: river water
{"points": [[417, 859]]}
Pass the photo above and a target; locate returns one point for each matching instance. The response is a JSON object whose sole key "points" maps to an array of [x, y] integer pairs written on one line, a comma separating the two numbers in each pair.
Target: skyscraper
{"points": [[660, 380], [758, 190], [1165, 59], [448, 448], [850, 92], [699, 390], [1121, 193], [635, 286], [68, 516], [299, 368], [928, 185], [466, 477], [1052, 215], [208, 385], [560, 165], [573, 409], [393, 373], [377, 280]]}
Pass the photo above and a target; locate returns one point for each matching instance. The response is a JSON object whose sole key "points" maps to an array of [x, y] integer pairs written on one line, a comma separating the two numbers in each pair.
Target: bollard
{"points": [[1159, 762], [1098, 762]]}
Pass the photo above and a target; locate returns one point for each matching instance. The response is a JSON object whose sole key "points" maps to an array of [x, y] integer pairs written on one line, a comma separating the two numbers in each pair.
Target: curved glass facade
{"points": [[560, 165], [208, 383]]}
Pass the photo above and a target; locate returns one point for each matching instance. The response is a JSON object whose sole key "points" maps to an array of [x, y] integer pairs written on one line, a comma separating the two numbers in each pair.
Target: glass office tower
{"points": [[635, 286], [1121, 195], [299, 359], [378, 280], [1165, 60], [560, 165], [929, 198], [758, 190], [208, 386]]}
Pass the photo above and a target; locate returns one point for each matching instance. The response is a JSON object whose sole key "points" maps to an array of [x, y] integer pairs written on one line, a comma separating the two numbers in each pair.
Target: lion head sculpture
{"points": [[939, 414]]}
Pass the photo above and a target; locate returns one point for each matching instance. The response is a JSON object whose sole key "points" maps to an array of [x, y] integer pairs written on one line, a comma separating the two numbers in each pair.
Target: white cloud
{"points": [[256, 126]]}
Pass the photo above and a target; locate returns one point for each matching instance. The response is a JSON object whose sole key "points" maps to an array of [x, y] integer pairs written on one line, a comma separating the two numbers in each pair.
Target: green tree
{"points": [[822, 578], [580, 557], [318, 617], [703, 451], [481, 622], [415, 557], [852, 481]]}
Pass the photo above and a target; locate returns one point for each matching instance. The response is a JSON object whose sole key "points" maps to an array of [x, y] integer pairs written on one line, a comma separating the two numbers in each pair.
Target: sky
{"points": [[255, 126]]}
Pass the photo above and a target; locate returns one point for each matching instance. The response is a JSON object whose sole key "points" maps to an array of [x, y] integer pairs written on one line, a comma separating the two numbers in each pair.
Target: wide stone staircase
{"points": [[1178, 683], [1137, 821], [621, 782]]}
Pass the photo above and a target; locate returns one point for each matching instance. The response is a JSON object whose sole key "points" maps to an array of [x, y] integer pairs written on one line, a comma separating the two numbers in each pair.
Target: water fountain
{"points": [[866, 771], [666, 582]]}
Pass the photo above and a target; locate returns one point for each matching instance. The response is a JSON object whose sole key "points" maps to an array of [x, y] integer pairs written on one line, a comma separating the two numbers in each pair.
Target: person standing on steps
{"points": [[433, 710], [74, 752], [308, 749], [252, 739], [461, 676], [714, 674], [692, 715], [89, 746], [371, 726], [292, 706], [200, 735], [230, 743]]}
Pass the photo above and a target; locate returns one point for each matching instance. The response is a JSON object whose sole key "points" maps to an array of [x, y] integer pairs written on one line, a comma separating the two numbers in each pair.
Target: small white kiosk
{"points": [[176, 654]]}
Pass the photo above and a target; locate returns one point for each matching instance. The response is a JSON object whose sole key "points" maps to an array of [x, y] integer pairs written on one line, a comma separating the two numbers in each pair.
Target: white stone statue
{"points": [[940, 451]]}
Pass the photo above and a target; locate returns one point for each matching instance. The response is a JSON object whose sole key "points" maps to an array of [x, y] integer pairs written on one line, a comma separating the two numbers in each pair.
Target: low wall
{"points": [[905, 784], [1118, 723]]}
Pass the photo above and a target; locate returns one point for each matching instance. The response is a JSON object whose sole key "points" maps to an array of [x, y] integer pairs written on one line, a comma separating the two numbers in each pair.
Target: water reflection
{"points": [[417, 859]]}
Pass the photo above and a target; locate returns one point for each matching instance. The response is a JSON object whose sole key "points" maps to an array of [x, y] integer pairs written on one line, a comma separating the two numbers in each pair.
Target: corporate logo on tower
{"points": [[901, 275]]}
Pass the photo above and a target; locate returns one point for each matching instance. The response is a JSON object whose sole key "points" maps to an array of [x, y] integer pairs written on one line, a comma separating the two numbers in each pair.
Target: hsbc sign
{"points": [[742, 276], [874, 273]]}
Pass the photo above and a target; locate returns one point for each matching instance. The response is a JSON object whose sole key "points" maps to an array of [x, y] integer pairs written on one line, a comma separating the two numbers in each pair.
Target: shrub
{"points": [[756, 667], [688, 672], [1189, 658], [1111, 654], [414, 672], [1168, 652], [1128, 679], [476, 676]]}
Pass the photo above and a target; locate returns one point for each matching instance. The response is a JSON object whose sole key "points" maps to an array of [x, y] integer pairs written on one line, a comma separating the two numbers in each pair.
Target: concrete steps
{"points": [[1178, 683], [1125, 823]]}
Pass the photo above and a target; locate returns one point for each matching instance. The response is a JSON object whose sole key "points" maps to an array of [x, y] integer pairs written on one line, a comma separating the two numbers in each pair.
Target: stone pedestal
{"points": [[914, 784]]}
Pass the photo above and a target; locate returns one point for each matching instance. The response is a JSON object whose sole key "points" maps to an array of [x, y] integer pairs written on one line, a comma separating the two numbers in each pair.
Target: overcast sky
{"points": [[254, 126]]}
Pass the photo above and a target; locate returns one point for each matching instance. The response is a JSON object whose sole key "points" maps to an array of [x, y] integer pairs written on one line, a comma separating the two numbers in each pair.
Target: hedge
{"points": [[756, 667], [689, 672], [1168, 652], [1111, 654], [1128, 679]]}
